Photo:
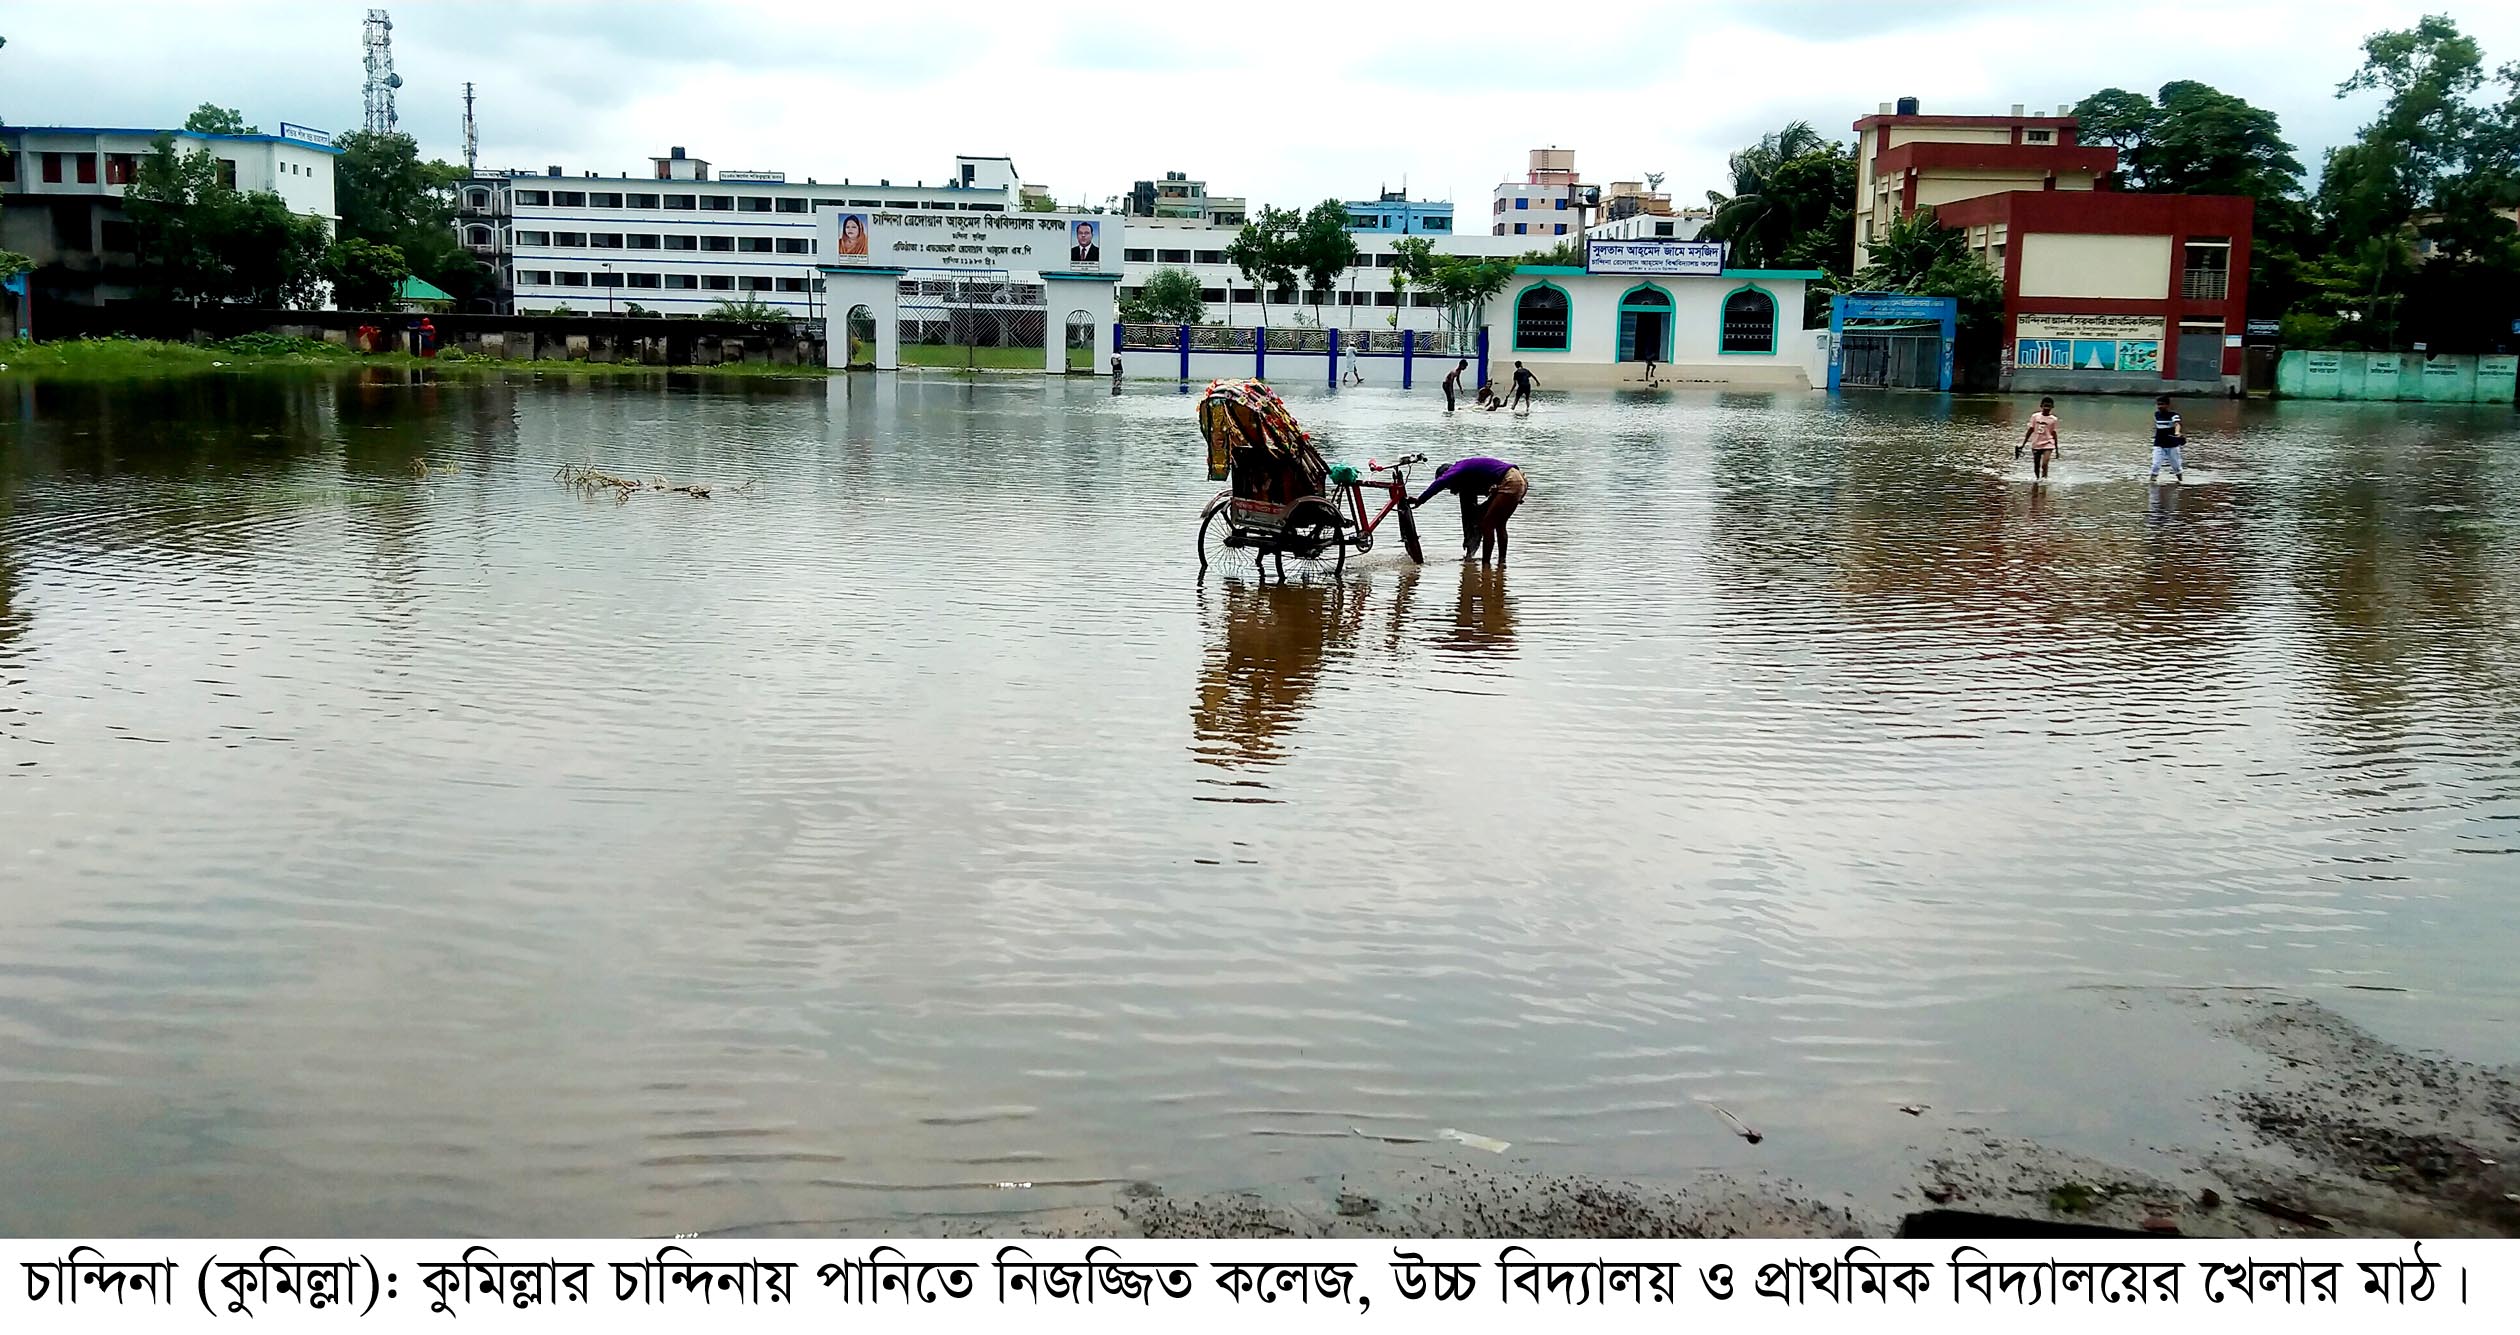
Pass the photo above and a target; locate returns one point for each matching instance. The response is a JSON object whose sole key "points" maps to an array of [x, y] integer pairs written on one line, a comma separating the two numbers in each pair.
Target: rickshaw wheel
{"points": [[1408, 534], [1214, 528], [1310, 543]]}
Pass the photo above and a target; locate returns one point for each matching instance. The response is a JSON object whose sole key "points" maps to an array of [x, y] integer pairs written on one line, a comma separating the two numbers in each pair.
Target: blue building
{"points": [[1400, 215]]}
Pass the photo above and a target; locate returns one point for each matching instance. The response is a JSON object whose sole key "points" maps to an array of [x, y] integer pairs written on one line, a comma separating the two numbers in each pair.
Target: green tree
{"points": [[1465, 286], [388, 196], [1785, 187], [210, 119], [1265, 251], [1324, 248], [748, 309], [12, 264], [1566, 254], [365, 276], [1412, 263], [1170, 296], [199, 240]]}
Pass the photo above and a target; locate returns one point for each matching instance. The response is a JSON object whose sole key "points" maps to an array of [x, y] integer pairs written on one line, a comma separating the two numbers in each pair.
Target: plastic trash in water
{"points": [[1489, 1143]]}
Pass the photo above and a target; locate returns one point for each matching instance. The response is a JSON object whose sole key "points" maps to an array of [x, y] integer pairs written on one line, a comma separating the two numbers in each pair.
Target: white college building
{"points": [[61, 189]]}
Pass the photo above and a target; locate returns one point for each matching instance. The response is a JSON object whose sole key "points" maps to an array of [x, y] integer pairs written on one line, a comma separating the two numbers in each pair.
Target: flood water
{"points": [[394, 841]]}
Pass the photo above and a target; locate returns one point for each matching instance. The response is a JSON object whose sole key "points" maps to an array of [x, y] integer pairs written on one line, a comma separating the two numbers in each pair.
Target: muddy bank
{"points": [[2326, 1129]]}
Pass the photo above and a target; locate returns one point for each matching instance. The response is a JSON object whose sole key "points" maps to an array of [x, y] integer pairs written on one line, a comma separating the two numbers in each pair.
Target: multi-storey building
{"points": [[1363, 297], [61, 190], [680, 240], [1394, 212], [2103, 290], [1550, 200]]}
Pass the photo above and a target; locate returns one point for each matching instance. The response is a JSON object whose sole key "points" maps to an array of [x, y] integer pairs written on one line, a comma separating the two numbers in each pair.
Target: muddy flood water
{"points": [[394, 841]]}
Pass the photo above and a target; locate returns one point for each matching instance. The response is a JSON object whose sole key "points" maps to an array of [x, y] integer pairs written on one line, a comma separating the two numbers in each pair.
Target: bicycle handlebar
{"points": [[1395, 465]]}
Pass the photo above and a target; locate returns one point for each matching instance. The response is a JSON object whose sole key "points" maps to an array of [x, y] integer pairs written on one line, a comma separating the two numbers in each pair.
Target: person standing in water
{"points": [[1506, 487], [1523, 381], [2040, 438], [1452, 382], [2169, 442]]}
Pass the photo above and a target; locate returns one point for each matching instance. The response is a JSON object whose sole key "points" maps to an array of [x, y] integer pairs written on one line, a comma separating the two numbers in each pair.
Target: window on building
{"points": [[575, 240], [1386, 298], [2039, 136], [121, 167], [752, 203], [717, 243], [1522, 229], [682, 243], [1216, 294], [567, 279], [826, 203], [796, 245], [638, 201], [641, 280], [717, 282], [796, 206], [1385, 260], [1139, 255], [681, 282], [789, 284], [526, 238], [605, 240], [52, 168], [754, 245], [1662, 229], [2208, 269], [717, 203], [604, 199], [1439, 224], [1521, 203], [1561, 203], [227, 170], [901, 203], [753, 284], [1540, 319], [568, 199], [604, 279], [683, 203], [1749, 322], [1561, 230], [1173, 256], [1209, 256], [639, 242], [533, 278], [8, 166], [1500, 207], [532, 199]]}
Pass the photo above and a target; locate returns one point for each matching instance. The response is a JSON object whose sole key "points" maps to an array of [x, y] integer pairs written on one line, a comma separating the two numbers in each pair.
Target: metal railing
{"points": [[2205, 284]]}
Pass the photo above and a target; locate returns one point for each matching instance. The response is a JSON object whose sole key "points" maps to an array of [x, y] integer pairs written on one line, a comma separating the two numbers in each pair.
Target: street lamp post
{"points": [[609, 289]]}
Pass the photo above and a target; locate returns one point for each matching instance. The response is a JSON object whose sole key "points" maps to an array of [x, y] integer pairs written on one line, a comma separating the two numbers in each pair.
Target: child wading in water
{"points": [[2040, 438], [2169, 442]]}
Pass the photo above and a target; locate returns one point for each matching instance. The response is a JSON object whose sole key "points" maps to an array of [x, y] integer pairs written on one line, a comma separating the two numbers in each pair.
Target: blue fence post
{"points": [[1408, 358], [1260, 353], [1185, 352], [1950, 340], [1334, 356], [1483, 366]]}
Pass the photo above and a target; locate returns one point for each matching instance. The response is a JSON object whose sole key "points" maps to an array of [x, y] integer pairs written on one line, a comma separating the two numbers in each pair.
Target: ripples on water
{"points": [[400, 854]]}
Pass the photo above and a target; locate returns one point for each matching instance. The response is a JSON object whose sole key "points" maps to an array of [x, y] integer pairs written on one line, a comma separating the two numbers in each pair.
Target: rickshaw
{"points": [[1283, 503]]}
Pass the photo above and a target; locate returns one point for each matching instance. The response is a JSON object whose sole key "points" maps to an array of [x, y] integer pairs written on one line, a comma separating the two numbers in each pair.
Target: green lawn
{"points": [[955, 356], [124, 358]]}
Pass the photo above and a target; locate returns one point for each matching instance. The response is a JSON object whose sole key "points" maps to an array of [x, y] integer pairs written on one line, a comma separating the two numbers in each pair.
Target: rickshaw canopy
{"points": [[1254, 439]]}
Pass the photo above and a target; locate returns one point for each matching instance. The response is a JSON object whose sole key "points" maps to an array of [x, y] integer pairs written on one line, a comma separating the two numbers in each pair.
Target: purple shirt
{"points": [[1468, 476]]}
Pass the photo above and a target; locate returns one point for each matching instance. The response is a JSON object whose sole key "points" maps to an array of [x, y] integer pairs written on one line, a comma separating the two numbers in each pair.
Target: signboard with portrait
{"points": [[1022, 242], [2119, 343], [1669, 258]]}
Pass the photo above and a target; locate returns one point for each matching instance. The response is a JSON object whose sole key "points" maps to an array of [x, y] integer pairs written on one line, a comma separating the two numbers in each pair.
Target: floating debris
{"points": [[1477, 1142], [1740, 1128], [593, 480]]}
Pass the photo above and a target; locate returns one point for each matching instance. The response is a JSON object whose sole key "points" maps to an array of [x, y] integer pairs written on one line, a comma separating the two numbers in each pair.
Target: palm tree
{"points": [[1758, 220]]}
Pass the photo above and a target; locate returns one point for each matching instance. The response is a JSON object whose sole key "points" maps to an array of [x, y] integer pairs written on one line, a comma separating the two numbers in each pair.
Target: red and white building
{"points": [[2104, 291]]}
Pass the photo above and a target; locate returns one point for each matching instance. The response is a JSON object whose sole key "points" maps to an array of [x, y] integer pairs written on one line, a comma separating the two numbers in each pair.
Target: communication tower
{"points": [[472, 138], [378, 34]]}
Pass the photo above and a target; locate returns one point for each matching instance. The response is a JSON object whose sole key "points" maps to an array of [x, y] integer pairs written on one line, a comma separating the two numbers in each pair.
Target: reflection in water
{"points": [[1268, 644], [834, 836]]}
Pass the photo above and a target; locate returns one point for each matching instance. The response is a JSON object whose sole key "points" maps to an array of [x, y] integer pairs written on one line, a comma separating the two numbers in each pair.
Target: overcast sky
{"points": [[1286, 101]]}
